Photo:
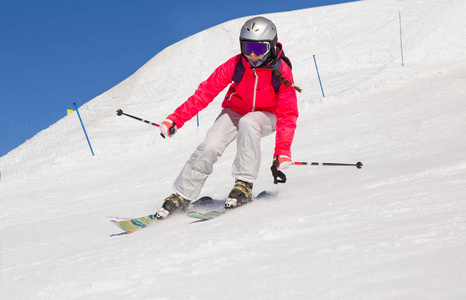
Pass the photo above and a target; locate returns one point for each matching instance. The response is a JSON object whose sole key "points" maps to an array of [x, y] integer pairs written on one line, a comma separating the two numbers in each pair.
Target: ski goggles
{"points": [[259, 48]]}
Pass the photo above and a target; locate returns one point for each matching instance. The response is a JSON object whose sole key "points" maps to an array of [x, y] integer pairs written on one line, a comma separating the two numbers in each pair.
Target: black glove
{"points": [[278, 176]]}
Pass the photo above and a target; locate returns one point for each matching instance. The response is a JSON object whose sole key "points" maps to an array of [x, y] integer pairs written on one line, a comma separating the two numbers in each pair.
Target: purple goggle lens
{"points": [[259, 48]]}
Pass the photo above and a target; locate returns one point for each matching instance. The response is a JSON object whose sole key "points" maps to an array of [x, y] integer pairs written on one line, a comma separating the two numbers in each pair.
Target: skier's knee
{"points": [[210, 149], [248, 123]]}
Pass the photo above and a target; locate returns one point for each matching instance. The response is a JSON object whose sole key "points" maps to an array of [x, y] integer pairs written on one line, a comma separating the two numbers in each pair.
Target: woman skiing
{"points": [[261, 99]]}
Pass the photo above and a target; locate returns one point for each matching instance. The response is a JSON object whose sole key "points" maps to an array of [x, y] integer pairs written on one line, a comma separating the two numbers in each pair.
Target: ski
{"points": [[205, 216], [216, 208], [132, 225]]}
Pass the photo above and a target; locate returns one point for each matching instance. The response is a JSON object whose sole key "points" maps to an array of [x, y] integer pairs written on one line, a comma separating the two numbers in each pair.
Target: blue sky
{"points": [[54, 53]]}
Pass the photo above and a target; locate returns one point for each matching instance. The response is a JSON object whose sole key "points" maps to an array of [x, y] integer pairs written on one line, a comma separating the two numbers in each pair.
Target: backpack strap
{"points": [[239, 71], [276, 83], [286, 59]]}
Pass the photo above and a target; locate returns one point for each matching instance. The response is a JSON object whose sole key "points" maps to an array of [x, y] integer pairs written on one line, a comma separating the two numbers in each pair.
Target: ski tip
{"points": [[118, 234], [121, 227], [265, 194]]}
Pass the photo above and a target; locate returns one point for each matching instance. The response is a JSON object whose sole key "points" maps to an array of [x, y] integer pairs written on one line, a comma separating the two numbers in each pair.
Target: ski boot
{"points": [[239, 195], [171, 204]]}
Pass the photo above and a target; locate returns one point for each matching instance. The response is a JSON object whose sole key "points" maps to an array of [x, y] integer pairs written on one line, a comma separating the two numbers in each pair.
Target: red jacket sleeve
{"points": [[205, 93], [287, 115]]}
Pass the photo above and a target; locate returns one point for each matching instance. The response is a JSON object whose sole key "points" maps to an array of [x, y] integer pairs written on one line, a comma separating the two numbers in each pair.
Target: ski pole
{"points": [[120, 112], [304, 163]]}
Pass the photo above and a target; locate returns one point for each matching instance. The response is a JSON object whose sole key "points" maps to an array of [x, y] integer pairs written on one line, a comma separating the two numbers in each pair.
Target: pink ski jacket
{"points": [[253, 93]]}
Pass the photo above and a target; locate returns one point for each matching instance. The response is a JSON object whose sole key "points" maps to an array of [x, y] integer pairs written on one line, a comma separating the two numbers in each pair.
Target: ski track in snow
{"points": [[396, 229]]}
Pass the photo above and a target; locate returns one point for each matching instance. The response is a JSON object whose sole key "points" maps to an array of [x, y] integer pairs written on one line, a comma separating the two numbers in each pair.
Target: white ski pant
{"points": [[247, 129]]}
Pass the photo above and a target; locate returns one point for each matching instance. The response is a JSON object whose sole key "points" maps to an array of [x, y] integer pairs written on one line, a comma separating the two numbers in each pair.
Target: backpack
{"points": [[276, 83]]}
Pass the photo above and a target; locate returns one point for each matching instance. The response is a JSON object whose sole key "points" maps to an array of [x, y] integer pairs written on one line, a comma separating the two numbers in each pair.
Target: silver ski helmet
{"points": [[258, 34]]}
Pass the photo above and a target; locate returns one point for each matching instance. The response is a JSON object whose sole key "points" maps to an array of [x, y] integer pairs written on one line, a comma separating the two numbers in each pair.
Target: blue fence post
{"points": [[401, 42], [82, 124], [318, 75]]}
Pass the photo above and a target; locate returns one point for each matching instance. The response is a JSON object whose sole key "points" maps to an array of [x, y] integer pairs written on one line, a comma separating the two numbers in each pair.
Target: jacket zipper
{"points": [[255, 89]]}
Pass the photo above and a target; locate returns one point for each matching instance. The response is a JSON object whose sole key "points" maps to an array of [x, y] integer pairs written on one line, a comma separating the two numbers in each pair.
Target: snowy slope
{"points": [[396, 229]]}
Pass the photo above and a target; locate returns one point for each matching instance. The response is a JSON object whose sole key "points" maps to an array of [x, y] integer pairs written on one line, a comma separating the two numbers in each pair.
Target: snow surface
{"points": [[396, 229]]}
